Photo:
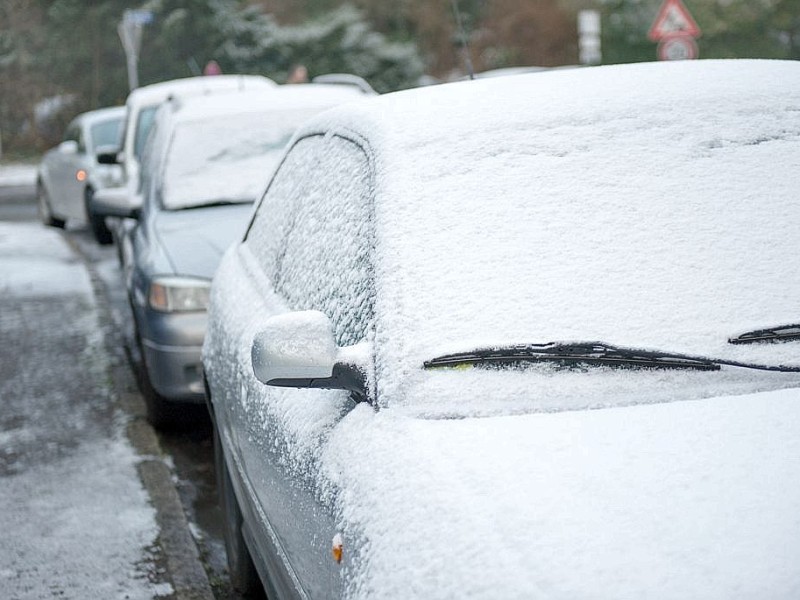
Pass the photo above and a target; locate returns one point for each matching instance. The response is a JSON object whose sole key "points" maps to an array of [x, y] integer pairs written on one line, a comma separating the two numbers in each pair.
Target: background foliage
{"points": [[61, 57]]}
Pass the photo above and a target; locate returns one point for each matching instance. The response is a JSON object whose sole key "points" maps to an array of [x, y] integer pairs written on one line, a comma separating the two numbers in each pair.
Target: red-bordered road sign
{"points": [[677, 47], [673, 19]]}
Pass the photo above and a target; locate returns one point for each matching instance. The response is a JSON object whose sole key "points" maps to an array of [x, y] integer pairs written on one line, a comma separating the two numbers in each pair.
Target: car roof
{"points": [[102, 114], [158, 92], [294, 97]]}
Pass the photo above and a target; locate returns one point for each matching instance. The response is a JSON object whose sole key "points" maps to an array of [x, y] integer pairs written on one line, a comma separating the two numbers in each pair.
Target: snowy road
{"points": [[76, 520], [91, 498]]}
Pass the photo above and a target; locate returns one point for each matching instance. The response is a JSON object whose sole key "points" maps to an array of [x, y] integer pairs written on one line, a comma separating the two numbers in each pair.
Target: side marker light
{"points": [[337, 548]]}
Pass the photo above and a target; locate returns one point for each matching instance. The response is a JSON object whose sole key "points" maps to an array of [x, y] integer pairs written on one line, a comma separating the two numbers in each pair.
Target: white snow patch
{"points": [[77, 528], [25, 270], [17, 174]]}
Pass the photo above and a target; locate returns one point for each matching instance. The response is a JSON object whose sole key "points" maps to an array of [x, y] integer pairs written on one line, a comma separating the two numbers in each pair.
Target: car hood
{"points": [[194, 240], [690, 499]]}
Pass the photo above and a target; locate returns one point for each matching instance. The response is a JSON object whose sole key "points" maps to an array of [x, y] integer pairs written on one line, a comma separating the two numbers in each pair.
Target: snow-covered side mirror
{"points": [[298, 349], [114, 202], [68, 147]]}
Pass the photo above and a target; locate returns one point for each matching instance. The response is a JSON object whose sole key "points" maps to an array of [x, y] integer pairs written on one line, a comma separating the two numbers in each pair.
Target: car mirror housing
{"points": [[298, 349], [114, 202], [108, 155]]}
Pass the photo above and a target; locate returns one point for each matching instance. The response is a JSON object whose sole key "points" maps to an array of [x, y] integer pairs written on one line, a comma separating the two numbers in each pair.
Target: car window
{"points": [[81, 141], [106, 133], [323, 196], [226, 159]]}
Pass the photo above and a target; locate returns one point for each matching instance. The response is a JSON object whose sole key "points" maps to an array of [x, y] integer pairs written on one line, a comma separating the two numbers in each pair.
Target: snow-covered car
{"points": [[525, 337], [142, 104], [206, 160], [69, 174]]}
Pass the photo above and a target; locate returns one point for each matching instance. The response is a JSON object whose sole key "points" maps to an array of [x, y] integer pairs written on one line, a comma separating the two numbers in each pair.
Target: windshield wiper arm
{"points": [[594, 353], [588, 352], [782, 333]]}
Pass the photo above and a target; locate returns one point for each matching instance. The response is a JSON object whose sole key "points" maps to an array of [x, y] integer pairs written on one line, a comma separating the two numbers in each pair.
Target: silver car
{"points": [[205, 162], [522, 337], [69, 174]]}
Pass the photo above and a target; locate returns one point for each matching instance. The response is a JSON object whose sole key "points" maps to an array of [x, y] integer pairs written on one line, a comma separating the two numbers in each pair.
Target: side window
{"points": [[323, 258]]}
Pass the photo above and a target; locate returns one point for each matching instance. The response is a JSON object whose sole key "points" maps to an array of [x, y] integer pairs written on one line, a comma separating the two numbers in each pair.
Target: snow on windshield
{"points": [[652, 206], [228, 159]]}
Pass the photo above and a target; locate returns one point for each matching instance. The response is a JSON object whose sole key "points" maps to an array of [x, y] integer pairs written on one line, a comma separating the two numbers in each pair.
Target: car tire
{"points": [[102, 234], [44, 210], [242, 571]]}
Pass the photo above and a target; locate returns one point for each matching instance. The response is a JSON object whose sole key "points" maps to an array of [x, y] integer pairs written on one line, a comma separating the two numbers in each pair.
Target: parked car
{"points": [[205, 162], [521, 337], [69, 174], [141, 105]]}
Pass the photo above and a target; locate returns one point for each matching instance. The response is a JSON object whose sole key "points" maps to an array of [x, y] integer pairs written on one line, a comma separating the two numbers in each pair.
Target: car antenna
{"points": [[464, 43]]}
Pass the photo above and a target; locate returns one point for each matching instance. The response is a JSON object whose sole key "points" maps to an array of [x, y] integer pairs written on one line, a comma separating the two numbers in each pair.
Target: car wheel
{"points": [[43, 208], [97, 222], [243, 574]]}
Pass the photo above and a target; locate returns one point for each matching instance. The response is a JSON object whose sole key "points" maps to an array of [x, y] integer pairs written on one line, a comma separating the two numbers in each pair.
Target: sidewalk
{"points": [[89, 510]]}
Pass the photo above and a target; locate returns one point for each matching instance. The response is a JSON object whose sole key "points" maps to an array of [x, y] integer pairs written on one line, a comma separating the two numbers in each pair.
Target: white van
{"points": [[142, 104]]}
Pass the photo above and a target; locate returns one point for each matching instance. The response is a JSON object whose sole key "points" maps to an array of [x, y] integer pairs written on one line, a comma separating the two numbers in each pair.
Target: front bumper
{"points": [[172, 344]]}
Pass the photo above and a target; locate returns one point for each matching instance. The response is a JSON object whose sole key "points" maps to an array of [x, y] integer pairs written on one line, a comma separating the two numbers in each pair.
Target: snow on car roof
{"points": [[284, 97], [157, 92], [648, 205]]}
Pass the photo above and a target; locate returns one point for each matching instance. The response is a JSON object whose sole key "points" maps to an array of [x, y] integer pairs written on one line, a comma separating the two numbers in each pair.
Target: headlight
{"points": [[179, 294]]}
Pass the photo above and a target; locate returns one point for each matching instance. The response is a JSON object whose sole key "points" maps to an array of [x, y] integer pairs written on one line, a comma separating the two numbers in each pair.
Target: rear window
{"points": [[227, 160]]}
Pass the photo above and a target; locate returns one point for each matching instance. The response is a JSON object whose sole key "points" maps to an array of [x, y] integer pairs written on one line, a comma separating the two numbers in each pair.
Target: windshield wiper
{"points": [[598, 353], [782, 333], [220, 202]]}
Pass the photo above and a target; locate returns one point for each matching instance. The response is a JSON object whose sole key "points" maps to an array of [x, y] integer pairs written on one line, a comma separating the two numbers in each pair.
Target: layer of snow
{"points": [[17, 174], [26, 271], [670, 501], [652, 206]]}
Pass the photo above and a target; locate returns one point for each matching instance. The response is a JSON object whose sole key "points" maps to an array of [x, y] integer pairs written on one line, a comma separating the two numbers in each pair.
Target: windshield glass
{"points": [[143, 126], [227, 160], [107, 133]]}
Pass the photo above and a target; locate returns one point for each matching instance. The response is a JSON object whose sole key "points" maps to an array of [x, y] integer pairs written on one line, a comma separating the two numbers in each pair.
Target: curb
{"points": [[184, 567]]}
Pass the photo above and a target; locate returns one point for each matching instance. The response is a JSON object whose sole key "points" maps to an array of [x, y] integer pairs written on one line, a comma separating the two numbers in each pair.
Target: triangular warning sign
{"points": [[673, 19]]}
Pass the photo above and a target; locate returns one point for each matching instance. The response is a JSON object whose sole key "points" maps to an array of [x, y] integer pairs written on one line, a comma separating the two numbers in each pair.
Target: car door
{"points": [[310, 241], [64, 184]]}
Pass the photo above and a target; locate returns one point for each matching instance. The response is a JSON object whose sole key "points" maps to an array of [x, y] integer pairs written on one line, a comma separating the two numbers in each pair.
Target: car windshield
{"points": [[107, 133], [227, 160]]}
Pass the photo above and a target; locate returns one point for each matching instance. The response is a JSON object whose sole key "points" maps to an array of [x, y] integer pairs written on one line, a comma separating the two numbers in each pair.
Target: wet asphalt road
{"points": [[189, 450]]}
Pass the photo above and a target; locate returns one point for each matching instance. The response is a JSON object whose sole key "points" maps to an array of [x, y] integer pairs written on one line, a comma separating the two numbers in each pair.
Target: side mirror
{"points": [[68, 147], [114, 202], [298, 349], [108, 155]]}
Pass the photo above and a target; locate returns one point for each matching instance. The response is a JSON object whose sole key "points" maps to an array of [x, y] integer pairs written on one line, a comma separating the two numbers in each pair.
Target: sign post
{"points": [[676, 32], [130, 33]]}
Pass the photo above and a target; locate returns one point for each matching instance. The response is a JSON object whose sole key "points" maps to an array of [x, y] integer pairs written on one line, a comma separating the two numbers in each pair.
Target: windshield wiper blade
{"points": [[782, 333], [583, 352], [598, 353], [221, 202]]}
